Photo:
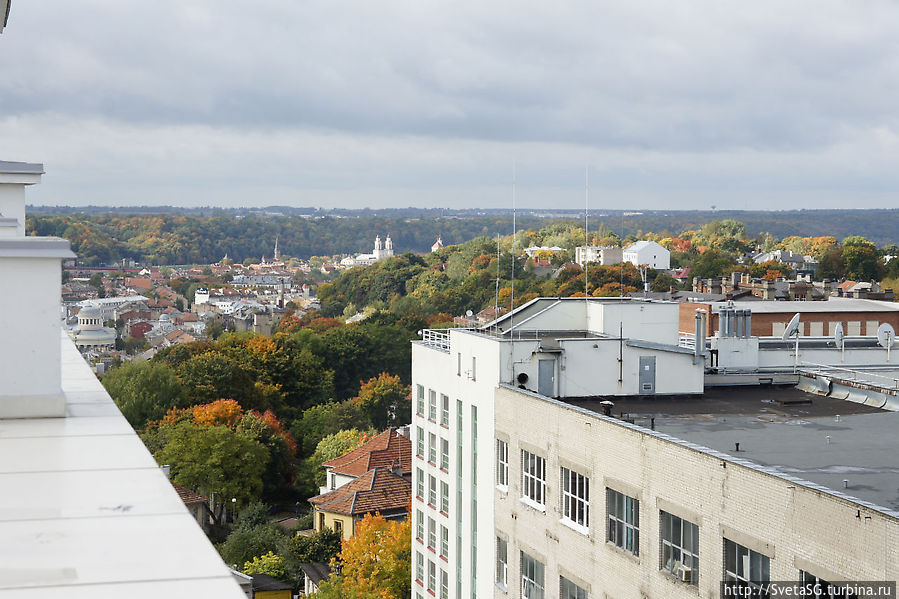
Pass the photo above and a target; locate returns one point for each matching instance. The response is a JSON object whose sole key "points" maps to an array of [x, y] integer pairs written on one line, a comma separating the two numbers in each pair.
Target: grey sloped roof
{"points": [[29, 168]]}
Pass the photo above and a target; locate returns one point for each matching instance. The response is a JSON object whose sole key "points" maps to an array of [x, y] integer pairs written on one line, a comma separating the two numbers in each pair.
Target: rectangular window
{"points": [[432, 405], [432, 490], [576, 498], [420, 402], [444, 454], [432, 448], [444, 585], [432, 534], [420, 442], [444, 542], [569, 590], [444, 410], [419, 567], [444, 497], [420, 484], [432, 576], [680, 547], [338, 525], [531, 577], [502, 563], [624, 521], [474, 368], [744, 567], [822, 588], [502, 463], [533, 475], [459, 364], [419, 526]]}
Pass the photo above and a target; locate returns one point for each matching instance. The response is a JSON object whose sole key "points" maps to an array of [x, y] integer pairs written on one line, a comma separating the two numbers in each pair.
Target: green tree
{"points": [[382, 397], [144, 391], [244, 544], [318, 547], [860, 257], [214, 459], [325, 419], [269, 564], [334, 446]]}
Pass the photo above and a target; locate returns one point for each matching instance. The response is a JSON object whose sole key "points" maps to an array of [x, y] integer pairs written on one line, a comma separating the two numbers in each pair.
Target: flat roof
{"points": [[834, 304], [27, 168], [819, 439]]}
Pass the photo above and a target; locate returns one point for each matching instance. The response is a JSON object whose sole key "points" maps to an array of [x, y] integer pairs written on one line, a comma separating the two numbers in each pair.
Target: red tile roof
{"points": [[378, 490], [188, 496], [383, 451]]}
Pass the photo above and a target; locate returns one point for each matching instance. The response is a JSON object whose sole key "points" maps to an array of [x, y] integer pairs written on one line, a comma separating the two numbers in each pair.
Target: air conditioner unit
{"points": [[684, 574]]}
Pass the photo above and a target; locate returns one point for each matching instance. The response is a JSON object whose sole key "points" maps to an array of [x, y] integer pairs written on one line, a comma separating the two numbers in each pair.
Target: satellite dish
{"points": [[469, 313], [838, 335], [886, 335], [792, 328]]}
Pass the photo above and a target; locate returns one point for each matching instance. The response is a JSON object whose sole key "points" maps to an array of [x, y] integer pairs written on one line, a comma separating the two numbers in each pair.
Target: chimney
{"points": [[30, 311]]}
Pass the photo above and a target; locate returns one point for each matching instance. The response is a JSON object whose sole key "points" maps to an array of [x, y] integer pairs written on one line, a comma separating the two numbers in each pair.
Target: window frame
{"points": [[432, 534], [444, 410], [444, 497], [502, 563], [444, 454], [575, 491], [419, 526], [623, 521], [420, 442], [533, 479], [502, 464], [420, 400], [420, 484], [432, 405], [568, 589], [531, 570], [673, 541], [432, 448], [432, 490], [737, 578]]}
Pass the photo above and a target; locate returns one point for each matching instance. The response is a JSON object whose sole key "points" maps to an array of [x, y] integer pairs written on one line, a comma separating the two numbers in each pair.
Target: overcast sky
{"points": [[764, 104]]}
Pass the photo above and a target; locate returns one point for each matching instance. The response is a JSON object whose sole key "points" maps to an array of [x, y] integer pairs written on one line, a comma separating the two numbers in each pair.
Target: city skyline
{"points": [[753, 107]]}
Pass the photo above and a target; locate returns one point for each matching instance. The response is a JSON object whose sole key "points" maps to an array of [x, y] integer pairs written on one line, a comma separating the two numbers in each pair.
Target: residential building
{"points": [[604, 255], [380, 490], [388, 449], [647, 253], [585, 448]]}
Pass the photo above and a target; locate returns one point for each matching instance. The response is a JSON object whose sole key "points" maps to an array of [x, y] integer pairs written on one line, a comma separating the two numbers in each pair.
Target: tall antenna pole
{"points": [[496, 299], [512, 304], [586, 236]]}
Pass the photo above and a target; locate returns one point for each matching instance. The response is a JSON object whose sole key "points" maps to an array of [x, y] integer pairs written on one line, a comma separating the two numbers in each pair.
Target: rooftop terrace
{"points": [[823, 440]]}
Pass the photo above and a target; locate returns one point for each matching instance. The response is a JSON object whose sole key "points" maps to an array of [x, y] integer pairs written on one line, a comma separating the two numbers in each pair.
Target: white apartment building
{"points": [[525, 484], [604, 255], [649, 253]]}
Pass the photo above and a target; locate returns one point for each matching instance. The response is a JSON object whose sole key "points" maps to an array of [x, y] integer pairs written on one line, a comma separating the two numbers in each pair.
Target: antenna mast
{"points": [[496, 299], [512, 302], [586, 236]]}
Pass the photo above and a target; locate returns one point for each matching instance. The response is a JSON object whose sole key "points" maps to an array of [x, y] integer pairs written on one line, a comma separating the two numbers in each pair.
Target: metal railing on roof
{"points": [[439, 339]]}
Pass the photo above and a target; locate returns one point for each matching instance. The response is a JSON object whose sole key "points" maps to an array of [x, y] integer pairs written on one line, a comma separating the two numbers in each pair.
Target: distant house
{"points": [[314, 574], [385, 450], [437, 244], [649, 253], [138, 329], [269, 587], [381, 490], [604, 255], [196, 504]]}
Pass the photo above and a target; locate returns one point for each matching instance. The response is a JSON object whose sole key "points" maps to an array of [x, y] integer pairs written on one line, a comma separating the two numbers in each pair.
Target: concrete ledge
{"points": [[35, 247], [33, 406]]}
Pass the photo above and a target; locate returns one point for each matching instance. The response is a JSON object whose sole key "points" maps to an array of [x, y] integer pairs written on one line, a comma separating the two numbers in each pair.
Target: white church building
{"points": [[382, 250]]}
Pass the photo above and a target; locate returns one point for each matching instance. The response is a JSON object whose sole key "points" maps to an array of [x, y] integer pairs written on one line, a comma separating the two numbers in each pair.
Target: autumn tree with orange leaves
{"points": [[375, 564]]}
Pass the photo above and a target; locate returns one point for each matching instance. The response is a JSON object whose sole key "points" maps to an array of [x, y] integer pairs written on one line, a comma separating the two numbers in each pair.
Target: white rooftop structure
{"points": [[649, 253], [84, 510]]}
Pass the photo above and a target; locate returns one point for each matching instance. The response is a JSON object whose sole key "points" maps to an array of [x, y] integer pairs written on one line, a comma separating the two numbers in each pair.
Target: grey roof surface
{"points": [[790, 438], [834, 304], [31, 168]]}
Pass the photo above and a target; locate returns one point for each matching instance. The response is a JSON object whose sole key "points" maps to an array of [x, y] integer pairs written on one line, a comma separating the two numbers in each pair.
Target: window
{"points": [[338, 525], [444, 585], [444, 497], [444, 454], [333, 481], [420, 403], [420, 442], [432, 448], [502, 563], [444, 410], [321, 521], [420, 484], [744, 567], [419, 526], [474, 368], [624, 521], [459, 364], [419, 567], [680, 547], [432, 576], [822, 588], [576, 498], [531, 577], [569, 590], [533, 473], [432, 405], [444, 541], [432, 490], [432, 534], [502, 463]]}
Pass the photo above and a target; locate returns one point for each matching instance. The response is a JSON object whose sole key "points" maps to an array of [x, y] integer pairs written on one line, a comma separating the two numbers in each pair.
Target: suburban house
{"points": [[649, 253], [386, 450]]}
